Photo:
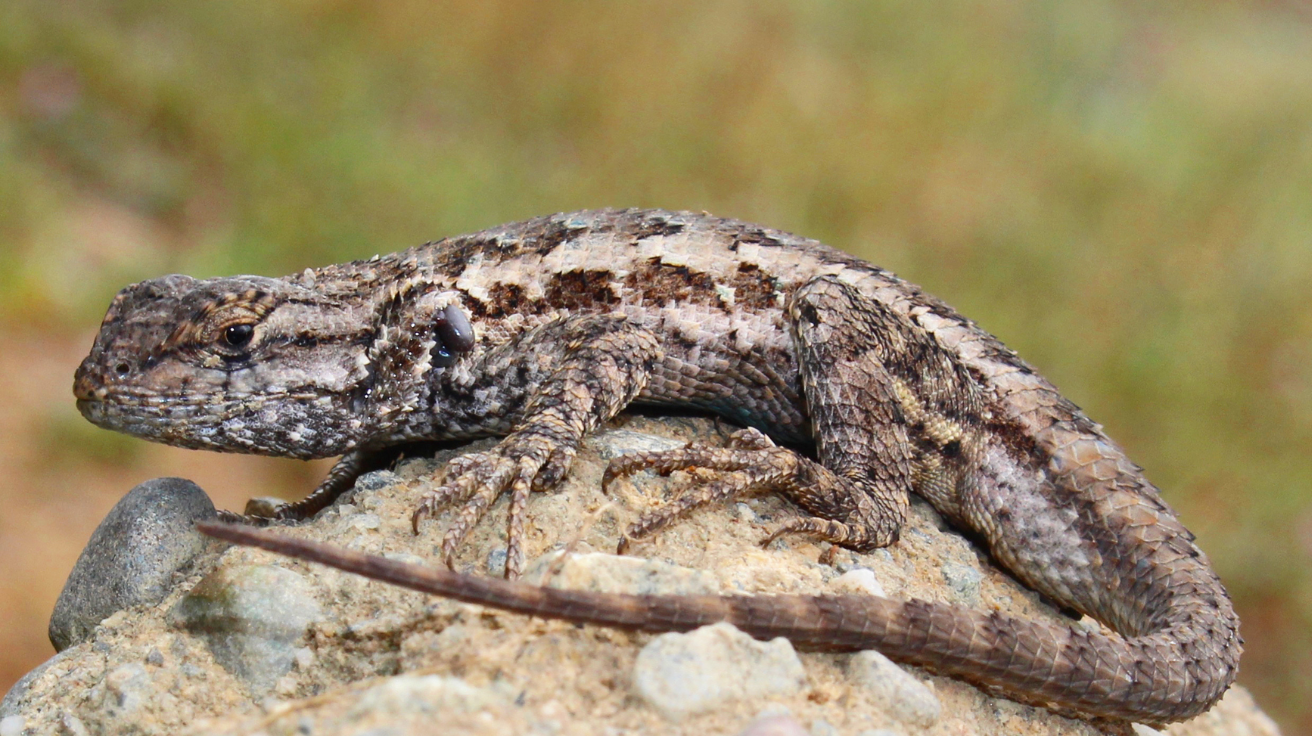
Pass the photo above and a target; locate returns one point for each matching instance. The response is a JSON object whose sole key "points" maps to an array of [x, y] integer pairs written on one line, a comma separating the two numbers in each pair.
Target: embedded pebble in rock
{"points": [[132, 556], [374, 480], [12, 726], [365, 522], [263, 506], [820, 727], [430, 695], [603, 573], [964, 581], [684, 674], [861, 581], [778, 725], [123, 691], [252, 618], [899, 694], [616, 442]]}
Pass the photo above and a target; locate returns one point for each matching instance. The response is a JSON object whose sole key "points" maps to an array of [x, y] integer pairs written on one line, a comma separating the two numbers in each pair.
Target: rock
{"points": [[251, 643], [684, 674], [964, 581], [425, 695], [132, 557], [778, 725], [860, 581], [9, 706], [605, 573], [251, 617], [616, 442], [898, 693]]}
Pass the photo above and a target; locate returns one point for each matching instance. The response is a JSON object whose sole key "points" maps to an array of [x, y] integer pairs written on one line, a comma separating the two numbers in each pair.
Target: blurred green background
{"points": [[1121, 191]]}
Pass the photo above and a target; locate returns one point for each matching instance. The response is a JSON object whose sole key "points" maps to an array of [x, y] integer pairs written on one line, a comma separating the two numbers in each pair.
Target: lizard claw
{"points": [[750, 462], [475, 481]]}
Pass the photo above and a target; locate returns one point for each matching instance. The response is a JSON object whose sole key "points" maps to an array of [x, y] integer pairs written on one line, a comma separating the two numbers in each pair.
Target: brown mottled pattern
{"points": [[576, 316]]}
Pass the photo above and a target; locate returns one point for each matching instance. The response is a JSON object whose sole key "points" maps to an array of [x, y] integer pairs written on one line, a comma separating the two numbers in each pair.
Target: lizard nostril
{"points": [[122, 369]]}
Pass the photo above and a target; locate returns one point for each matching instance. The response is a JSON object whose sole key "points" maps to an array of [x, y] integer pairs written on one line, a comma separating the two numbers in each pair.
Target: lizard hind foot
{"points": [[474, 481], [750, 463]]}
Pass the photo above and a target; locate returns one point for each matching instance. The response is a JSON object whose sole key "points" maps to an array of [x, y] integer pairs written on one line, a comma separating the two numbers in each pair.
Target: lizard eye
{"points": [[238, 336]]}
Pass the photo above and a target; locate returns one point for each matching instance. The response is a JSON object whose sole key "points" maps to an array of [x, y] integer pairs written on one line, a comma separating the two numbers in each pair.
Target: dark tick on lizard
{"points": [[542, 330]]}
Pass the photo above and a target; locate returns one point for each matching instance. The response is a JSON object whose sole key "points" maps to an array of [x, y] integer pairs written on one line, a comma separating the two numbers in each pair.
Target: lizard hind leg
{"points": [[860, 364], [750, 464]]}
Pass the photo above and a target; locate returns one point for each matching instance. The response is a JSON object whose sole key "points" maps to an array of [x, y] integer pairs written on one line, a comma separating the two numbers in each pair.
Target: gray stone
{"points": [[132, 557], [374, 480], [684, 674], [902, 696], [252, 618]]}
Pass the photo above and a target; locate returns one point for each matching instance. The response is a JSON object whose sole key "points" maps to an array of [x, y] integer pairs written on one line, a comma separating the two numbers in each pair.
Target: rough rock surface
{"points": [[363, 657]]}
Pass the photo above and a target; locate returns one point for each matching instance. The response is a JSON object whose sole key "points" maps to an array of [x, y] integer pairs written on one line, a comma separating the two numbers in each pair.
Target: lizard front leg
{"points": [[571, 375], [860, 363]]}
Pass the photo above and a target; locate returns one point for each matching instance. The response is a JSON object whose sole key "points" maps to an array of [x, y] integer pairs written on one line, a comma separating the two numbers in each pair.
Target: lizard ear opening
{"points": [[455, 335]]}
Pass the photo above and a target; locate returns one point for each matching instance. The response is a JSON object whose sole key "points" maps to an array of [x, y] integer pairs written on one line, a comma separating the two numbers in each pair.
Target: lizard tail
{"points": [[1166, 675]]}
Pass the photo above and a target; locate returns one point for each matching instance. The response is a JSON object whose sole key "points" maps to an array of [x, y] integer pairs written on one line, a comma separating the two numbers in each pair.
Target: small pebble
{"points": [[684, 674], [821, 727], [902, 696], [744, 512], [73, 725], [861, 581], [604, 573], [375, 480], [12, 726], [611, 444], [365, 521], [263, 506], [964, 581], [776, 725], [408, 695], [124, 690]]}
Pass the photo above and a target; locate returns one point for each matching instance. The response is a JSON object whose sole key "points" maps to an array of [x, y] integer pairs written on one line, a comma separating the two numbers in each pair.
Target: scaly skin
{"points": [[573, 317]]}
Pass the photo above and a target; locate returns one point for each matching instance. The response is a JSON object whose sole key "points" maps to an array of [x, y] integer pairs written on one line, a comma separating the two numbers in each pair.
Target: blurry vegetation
{"points": [[1122, 191]]}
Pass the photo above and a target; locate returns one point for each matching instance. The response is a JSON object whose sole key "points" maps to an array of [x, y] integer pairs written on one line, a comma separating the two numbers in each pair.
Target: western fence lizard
{"points": [[542, 330]]}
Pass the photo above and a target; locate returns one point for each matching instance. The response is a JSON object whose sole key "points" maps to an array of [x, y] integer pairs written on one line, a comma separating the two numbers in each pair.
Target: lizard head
{"points": [[240, 364]]}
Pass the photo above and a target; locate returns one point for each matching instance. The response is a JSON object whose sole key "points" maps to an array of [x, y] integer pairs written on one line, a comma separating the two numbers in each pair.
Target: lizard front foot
{"points": [[753, 463], [520, 464]]}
